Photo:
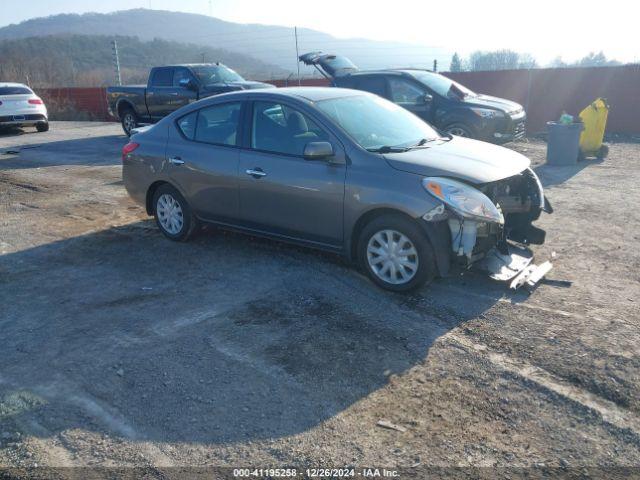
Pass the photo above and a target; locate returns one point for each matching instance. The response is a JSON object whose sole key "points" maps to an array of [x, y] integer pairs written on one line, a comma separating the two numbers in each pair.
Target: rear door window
{"points": [[219, 124], [162, 77], [373, 84]]}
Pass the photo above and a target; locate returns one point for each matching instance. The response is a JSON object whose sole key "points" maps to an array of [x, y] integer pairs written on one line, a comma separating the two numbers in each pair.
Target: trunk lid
{"points": [[17, 104], [15, 100], [328, 64]]}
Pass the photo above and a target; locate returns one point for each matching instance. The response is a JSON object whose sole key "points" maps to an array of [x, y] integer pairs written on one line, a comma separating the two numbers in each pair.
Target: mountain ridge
{"points": [[272, 44]]}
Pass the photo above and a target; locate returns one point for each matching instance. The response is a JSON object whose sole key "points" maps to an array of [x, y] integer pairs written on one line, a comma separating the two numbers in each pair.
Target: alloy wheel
{"points": [[129, 122]]}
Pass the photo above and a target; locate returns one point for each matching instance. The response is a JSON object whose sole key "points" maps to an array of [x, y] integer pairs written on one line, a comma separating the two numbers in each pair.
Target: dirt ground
{"points": [[119, 348]]}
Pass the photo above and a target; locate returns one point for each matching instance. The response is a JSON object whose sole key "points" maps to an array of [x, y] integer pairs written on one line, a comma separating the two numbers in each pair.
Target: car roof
{"points": [[392, 71], [312, 94], [13, 84], [191, 65]]}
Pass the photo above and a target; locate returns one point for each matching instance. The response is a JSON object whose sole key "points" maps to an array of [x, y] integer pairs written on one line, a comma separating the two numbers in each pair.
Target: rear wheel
{"points": [[173, 214], [42, 126], [129, 121], [395, 253], [459, 130]]}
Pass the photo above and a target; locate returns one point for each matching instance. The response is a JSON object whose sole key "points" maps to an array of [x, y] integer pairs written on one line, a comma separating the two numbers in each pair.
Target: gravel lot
{"points": [[120, 348]]}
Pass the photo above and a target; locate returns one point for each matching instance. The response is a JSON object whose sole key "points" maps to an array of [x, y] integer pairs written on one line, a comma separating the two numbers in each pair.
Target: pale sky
{"points": [[544, 28]]}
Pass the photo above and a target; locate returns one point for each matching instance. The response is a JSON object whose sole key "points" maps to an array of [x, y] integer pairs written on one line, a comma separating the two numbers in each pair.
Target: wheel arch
{"points": [[123, 105], [151, 192], [437, 234]]}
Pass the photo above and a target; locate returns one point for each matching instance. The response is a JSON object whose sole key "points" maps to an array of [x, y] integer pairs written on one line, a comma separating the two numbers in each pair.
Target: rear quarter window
{"points": [[187, 125]]}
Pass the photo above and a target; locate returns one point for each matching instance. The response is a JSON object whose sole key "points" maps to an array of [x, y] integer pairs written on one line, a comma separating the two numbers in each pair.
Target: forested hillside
{"points": [[86, 60]]}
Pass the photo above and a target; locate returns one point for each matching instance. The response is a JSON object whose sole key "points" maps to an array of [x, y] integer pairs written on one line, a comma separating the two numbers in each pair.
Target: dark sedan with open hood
{"points": [[442, 102]]}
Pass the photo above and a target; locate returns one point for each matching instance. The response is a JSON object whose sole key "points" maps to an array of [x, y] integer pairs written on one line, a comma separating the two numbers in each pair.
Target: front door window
{"points": [[278, 128]]}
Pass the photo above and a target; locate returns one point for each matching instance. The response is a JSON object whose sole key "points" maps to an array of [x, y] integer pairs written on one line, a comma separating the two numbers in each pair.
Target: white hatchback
{"points": [[19, 106]]}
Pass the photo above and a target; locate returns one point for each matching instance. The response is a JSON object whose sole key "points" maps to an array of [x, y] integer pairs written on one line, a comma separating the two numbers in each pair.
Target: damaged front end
{"points": [[491, 224]]}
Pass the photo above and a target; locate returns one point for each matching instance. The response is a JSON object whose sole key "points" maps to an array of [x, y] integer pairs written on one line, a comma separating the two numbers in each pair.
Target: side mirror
{"points": [[318, 150], [187, 83], [428, 98]]}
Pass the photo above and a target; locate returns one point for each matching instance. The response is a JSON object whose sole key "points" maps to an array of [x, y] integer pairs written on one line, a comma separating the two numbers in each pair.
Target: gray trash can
{"points": [[563, 146]]}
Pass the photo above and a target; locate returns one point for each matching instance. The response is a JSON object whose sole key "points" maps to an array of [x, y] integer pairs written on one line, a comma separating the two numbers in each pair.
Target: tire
{"points": [[129, 120], [603, 152], [173, 214], [394, 227], [42, 126], [460, 129]]}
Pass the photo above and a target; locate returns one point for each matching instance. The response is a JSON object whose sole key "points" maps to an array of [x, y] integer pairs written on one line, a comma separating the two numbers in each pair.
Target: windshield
{"points": [[443, 85], [216, 74], [15, 90], [374, 122]]}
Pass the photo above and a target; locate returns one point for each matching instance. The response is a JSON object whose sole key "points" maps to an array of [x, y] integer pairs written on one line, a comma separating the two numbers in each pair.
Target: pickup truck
{"points": [[169, 88]]}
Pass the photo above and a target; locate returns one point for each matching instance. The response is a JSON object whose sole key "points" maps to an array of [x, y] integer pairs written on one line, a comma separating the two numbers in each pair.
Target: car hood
{"points": [[487, 101], [461, 158]]}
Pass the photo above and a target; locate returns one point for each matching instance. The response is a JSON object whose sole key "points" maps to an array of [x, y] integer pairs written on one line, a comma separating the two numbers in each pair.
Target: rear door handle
{"points": [[176, 161], [256, 172]]}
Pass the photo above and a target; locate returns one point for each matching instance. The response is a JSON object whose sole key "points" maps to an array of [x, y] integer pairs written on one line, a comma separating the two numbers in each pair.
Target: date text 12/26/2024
{"points": [[314, 473]]}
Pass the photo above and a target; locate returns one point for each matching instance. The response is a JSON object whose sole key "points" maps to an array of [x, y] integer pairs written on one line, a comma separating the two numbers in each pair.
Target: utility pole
{"points": [[116, 61], [435, 65], [295, 31], [202, 57]]}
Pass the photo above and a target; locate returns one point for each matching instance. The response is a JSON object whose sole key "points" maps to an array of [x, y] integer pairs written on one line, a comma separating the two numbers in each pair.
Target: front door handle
{"points": [[176, 161], [256, 172]]}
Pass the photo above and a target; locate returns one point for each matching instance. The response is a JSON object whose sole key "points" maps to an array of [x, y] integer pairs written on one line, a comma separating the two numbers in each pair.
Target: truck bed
{"points": [[134, 95]]}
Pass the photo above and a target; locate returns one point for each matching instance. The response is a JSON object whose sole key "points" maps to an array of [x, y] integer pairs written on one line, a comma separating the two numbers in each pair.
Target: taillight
{"points": [[35, 101], [128, 148]]}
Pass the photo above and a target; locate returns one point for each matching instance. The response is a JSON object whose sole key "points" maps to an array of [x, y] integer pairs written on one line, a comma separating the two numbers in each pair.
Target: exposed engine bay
{"points": [[493, 237]]}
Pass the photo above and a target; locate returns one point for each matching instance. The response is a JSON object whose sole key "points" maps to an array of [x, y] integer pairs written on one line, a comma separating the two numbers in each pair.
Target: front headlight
{"points": [[487, 113], [463, 199]]}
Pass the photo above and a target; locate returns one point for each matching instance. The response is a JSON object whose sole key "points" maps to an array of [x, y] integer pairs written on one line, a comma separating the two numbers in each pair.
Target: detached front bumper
{"points": [[515, 266]]}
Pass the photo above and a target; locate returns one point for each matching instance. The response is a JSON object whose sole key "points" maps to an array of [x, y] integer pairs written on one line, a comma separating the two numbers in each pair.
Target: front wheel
{"points": [[459, 130], [173, 214], [395, 253]]}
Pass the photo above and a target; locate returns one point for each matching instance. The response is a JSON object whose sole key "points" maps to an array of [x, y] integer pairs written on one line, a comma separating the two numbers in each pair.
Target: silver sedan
{"points": [[341, 170]]}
